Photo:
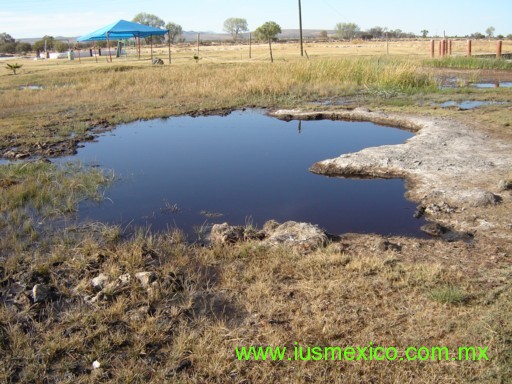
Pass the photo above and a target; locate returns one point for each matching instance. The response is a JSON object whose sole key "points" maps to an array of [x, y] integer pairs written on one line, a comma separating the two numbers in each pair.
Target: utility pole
{"points": [[300, 28]]}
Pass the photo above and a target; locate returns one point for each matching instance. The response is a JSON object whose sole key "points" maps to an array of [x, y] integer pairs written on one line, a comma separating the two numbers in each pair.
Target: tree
{"points": [[234, 26], [5, 38], [23, 47], [8, 48], [347, 30], [490, 32], [153, 21], [268, 31], [323, 35], [50, 42], [397, 33], [477, 36], [175, 30], [376, 32], [61, 46], [424, 33]]}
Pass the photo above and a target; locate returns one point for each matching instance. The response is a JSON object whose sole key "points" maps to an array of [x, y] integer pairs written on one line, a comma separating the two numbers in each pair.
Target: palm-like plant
{"points": [[14, 67]]}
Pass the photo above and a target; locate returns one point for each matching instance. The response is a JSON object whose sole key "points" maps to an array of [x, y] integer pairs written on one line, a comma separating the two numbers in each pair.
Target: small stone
{"points": [[302, 236], [486, 199], [226, 234], [420, 212], [20, 156], [40, 292], [146, 278], [383, 245], [124, 279], [99, 282], [270, 226], [10, 154], [434, 229], [505, 185], [441, 208]]}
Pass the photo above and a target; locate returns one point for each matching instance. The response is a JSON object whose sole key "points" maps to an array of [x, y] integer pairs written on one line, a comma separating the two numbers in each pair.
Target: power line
{"points": [[335, 10]]}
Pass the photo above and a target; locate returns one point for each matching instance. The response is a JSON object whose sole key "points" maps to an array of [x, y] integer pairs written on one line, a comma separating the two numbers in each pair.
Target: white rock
{"points": [[99, 282], [40, 292], [145, 278]]}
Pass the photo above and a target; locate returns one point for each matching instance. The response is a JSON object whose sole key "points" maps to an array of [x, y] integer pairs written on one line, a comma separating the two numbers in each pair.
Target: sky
{"points": [[36, 18]]}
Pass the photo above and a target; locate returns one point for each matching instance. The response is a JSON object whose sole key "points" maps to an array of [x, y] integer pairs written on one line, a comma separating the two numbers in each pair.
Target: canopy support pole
{"points": [[169, 41], [151, 43], [109, 51], [138, 38]]}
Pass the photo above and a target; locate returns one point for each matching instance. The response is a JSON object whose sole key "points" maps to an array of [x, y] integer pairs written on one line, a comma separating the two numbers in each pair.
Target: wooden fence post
{"points": [[469, 49], [432, 49], [499, 46], [169, 42]]}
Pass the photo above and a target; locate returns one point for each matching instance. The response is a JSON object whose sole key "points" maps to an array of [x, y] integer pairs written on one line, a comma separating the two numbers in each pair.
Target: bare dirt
{"points": [[458, 174]]}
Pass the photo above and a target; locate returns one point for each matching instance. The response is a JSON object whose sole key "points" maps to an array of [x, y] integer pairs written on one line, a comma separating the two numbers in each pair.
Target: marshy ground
{"points": [[153, 308]]}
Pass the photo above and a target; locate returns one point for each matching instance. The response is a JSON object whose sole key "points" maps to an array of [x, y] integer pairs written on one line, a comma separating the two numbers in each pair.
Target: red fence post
{"points": [[499, 46]]}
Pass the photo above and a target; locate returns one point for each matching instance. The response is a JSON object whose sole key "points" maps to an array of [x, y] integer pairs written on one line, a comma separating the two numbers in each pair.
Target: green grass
{"points": [[66, 104], [35, 194], [449, 295], [209, 299], [461, 62]]}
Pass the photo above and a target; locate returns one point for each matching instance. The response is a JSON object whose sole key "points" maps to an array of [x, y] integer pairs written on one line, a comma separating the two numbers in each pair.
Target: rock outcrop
{"points": [[304, 237]]}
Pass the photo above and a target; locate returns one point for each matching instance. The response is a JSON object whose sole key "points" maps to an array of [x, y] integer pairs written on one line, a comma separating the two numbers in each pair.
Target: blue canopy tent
{"points": [[123, 29]]}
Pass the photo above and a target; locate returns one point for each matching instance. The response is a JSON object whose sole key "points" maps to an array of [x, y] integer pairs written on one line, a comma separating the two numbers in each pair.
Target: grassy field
{"points": [[182, 320]]}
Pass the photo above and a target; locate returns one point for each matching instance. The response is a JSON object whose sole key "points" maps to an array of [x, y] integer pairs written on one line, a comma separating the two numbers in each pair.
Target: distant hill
{"points": [[32, 40], [209, 36], [287, 34]]}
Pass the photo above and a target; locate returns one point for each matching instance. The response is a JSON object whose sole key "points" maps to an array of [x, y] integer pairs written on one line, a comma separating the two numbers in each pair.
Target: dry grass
{"points": [[206, 301], [77, 97]]}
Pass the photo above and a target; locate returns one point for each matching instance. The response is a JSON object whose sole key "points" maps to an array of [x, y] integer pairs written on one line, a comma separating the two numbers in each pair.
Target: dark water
{"points": [[180, 172]]}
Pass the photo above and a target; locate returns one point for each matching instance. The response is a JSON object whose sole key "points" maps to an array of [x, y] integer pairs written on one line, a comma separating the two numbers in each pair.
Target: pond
{"points": [[244, 168]]}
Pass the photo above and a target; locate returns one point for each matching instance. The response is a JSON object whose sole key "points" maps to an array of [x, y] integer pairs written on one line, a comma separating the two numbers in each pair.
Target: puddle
{"points": [[31, 87], [455, 82], [465, 105], [244, 168], [503, 84]]}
